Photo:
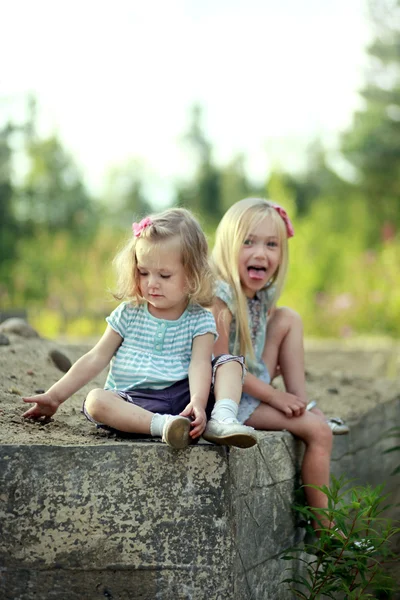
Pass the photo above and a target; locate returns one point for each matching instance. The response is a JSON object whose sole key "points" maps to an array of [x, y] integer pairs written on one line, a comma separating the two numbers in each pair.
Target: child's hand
{"points": [[289, 404], [45, 406], [199, 419]]}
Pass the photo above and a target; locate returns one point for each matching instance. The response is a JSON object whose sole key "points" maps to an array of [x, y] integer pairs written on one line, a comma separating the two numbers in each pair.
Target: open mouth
{"points": [[256, 273]]}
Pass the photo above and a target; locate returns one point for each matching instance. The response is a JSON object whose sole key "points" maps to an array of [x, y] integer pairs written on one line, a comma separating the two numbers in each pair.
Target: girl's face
{"points": [[162, 278], [259, 256]]}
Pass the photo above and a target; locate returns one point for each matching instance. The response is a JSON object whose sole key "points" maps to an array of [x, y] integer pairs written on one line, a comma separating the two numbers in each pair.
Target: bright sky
{"points": [[117, 79]]}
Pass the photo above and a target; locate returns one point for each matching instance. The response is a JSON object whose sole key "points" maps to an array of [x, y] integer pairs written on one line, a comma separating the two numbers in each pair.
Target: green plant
{"points": [[346, 561]]}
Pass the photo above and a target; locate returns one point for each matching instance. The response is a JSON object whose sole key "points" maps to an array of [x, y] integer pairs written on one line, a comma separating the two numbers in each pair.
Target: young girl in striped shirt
{"points": [[162, 379]]}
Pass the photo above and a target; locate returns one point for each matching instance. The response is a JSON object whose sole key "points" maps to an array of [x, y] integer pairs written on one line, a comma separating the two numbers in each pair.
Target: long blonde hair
{"points": [[174, 222], [231, 233]]}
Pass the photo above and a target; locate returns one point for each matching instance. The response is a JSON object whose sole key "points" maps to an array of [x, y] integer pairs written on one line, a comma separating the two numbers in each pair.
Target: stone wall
{"points": [[137, 520]]}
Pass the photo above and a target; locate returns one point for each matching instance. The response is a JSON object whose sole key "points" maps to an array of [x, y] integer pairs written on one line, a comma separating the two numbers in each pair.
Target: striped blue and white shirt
{"points": [[155, 353]]}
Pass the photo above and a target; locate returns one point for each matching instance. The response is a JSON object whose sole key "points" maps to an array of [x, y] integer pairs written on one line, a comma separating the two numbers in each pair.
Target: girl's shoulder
{"points": [[126, 311], [195, 312], [200, 320], [224, 292]]}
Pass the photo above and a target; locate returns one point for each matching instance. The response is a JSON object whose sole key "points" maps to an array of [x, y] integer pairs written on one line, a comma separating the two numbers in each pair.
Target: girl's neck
{"points": [[171, 314]]}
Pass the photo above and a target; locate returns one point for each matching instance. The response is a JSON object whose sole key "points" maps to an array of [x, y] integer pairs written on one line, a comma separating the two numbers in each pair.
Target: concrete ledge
{"points": [[139, 520], [136, 520]]}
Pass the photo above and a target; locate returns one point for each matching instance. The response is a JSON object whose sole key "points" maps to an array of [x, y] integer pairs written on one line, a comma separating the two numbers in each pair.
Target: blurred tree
{"points": [[125, 198], [372, 145], [53, 194], [279, 191], [8, 223], [203, 194], [316, 181], [234, 183]]}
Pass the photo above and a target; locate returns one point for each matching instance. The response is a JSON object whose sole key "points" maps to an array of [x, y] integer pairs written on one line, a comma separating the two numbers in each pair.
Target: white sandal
{"points": [[338, 426]]}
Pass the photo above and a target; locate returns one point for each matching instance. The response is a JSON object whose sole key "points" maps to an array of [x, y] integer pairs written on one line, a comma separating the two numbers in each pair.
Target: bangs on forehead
{"points": [[158, 244], [259, 215]]}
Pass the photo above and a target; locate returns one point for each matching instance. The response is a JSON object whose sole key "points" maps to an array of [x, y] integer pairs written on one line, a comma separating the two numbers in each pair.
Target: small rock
{"points": [[30, 372], [4, 341], [332, 390], [39, 391], [14, 390], [61, 361], [18, 326]]}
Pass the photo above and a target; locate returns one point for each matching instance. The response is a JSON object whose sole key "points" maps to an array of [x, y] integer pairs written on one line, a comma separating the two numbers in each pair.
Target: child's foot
{"points": [[338, 426], [176, 432], [230, 434]]}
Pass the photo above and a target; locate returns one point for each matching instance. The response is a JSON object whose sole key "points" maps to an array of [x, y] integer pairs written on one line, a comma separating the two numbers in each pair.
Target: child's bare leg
{"points": [[284, 347], [228, 381], [223, 427], [109, 409], [318, 439]]}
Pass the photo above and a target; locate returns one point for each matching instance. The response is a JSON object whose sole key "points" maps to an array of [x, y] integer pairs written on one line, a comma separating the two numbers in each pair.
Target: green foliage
{"points": [[125, 199], [344, 268], [372, 144], [8, 223], [339, 285], [64, 283], [213, 189], [347, 561], [53, 195]]}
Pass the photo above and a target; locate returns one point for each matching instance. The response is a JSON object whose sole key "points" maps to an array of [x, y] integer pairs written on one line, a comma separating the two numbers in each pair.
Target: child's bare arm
{"points": [[199, 382], [84, 370], [289, 404]]}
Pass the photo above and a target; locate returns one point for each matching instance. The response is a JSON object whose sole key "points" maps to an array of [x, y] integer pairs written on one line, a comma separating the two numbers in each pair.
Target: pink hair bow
{"points": [[282, 212], [137, 228]]}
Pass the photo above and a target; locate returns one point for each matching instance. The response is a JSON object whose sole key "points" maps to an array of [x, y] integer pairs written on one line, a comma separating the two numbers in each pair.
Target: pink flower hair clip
{"points": [[137, 228], [282, 213]]}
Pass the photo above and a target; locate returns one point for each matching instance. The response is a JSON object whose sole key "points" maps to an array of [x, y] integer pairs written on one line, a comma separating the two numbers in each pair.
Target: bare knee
{"points": [[96, 403], [228, 369], [320, 434], [285, 317], [323, 435]]}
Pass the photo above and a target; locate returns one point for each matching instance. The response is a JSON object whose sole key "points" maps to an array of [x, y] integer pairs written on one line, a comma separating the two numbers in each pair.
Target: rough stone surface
{"points": [[4, 341], [61, 361], [151, 514], [87, 515], [19, 327], [139, 520]]}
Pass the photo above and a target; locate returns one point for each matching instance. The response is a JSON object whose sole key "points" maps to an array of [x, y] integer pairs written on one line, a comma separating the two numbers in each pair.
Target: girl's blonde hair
{"points": [[172, 223], [231, 233]]}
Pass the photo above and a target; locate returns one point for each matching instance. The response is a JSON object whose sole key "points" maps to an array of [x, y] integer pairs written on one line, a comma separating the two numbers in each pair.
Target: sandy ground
{"points": [[345, 380]]}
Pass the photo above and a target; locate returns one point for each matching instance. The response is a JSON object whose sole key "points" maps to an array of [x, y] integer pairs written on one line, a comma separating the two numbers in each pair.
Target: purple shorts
{"points": [[171, 400]]}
